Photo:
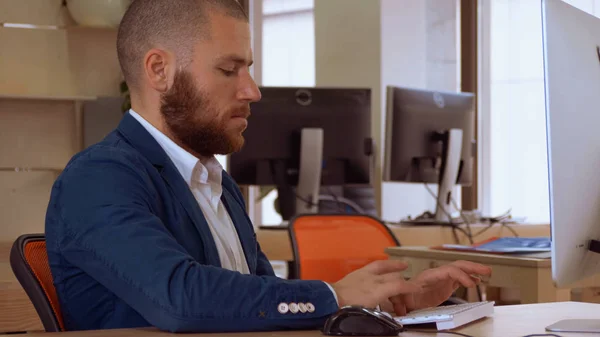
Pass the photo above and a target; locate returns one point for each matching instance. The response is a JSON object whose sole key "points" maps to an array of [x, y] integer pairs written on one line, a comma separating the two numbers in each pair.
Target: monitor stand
{"points": [[304, 199], [309, 175], [575, 325], [579, 325], [450, 166]]}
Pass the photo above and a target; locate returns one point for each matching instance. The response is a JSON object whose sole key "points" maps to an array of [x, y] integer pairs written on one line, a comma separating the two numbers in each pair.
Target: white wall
{"points": [[288, 47]]}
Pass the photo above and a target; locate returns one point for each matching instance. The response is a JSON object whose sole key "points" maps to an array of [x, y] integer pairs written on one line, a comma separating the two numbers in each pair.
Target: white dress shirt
{"points": [[204, 176]]}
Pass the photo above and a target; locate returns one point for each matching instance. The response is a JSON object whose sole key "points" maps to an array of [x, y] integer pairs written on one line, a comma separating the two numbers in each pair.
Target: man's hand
{"points": [[374, 284], [437, 285]]}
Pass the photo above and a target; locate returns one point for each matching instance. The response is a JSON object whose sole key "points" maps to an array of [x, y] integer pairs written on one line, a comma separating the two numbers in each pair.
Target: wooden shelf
{"points": [[48, 98], [69, 28], [75, 27], [31, 169]]}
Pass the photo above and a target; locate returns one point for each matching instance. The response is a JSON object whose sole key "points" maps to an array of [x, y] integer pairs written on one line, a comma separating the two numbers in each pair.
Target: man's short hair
{"points": [[171, 24]]}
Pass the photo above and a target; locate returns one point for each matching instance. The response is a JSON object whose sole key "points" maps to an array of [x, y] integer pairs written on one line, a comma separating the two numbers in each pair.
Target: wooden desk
{"points": [[507, 321], [532, 276], [275, 243]]}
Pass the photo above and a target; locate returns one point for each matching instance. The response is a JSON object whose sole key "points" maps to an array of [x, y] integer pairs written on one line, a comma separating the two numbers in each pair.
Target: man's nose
{"points": [[249, 91]]}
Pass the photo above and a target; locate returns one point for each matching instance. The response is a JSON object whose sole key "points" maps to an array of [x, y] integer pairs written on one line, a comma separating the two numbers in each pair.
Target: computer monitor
{"points": [[429, 138], [571, 44], [301, 138]]}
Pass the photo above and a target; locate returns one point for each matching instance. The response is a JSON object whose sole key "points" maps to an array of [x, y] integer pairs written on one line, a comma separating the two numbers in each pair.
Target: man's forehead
{"points": [[223, 26], [228, 39], [236, 58], [227, 50]]}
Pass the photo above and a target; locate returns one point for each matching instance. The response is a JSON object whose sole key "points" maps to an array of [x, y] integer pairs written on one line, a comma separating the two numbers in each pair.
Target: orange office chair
{"points": [[29, 262], [327, 247]]}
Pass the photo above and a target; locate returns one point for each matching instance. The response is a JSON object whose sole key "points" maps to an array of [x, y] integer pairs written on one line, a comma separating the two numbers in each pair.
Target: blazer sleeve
{"points": [[102, 203]]}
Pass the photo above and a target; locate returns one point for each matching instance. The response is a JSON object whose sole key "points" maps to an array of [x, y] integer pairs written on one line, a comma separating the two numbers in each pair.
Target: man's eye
{"points": [[228, 72]]}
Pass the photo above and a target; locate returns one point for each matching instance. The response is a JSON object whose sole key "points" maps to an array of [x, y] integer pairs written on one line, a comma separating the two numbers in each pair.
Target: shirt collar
{"points": [[207, 169]]}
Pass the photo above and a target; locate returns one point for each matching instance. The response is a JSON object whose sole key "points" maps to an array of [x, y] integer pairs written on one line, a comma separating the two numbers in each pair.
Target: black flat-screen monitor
{"points": [[430, 138], [415, 122], [271, 153]]}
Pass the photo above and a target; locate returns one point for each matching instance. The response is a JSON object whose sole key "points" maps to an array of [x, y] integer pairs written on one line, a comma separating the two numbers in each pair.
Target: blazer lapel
{"points": [[139, 138], [183, 193], [243, 227]]}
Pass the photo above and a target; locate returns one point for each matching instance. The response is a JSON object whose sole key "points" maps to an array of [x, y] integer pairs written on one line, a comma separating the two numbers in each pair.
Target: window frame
{"points": [[484, 107]]}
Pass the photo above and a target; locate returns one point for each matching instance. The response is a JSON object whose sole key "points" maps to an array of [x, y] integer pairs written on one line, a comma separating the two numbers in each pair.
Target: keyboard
{"points": [[449, 317]]}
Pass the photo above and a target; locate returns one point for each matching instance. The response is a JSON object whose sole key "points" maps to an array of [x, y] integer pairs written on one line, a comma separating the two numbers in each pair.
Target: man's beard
{"points": [[194, 121]]}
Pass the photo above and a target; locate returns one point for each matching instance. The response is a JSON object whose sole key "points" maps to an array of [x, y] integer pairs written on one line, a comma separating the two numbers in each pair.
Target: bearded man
{"points": [[145, 228]]}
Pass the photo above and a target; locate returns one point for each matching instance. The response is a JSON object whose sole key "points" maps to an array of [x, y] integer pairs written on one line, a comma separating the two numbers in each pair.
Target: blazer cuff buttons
{"points": [[294, 308]]}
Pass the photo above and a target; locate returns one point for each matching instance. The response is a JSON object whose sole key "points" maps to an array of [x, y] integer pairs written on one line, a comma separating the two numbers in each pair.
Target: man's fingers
{"points": [[386, 306], [391, 277], [460, 276], [400, 309], [472, 268], [403, 303], [400, 287], [476, 279], [385, 266]]}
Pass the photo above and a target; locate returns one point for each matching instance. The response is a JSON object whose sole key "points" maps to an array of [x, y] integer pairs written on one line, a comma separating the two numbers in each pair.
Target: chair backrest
{"points": [[29, 262], [329, 246]]}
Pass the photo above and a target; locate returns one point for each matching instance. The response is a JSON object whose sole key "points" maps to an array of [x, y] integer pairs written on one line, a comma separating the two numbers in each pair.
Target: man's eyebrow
{"points": [[236, 59]]}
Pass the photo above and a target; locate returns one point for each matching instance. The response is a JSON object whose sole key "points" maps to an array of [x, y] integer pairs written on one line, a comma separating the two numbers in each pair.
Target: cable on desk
{"points": [[515, 234], [511, 229], [468, 233], [439, 332], [464, 218], [340, 205], [281, 183], [465, 335], [455, 227], [340, 202], [484, 229], [501, 219], [452, 224]]}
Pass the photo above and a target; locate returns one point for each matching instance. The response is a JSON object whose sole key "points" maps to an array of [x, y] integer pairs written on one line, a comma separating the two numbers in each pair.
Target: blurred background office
{"points": [[54, 67], [61, 90]]}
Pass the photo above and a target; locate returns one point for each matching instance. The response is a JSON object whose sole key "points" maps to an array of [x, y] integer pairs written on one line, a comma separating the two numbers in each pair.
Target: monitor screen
{"points": [[415, 120], [272, 139]]}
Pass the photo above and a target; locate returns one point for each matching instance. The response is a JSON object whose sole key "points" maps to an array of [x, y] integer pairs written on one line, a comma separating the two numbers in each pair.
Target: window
{"points": [[514, 169], [288, 43], [288, 59]]}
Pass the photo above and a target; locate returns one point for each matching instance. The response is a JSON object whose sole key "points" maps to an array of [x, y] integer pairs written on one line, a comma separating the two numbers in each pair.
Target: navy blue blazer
{"points": [[128, 246]]}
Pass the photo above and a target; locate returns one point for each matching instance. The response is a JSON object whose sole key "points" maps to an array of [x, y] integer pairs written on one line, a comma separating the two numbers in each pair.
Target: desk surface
{"points": [[508, 321]]}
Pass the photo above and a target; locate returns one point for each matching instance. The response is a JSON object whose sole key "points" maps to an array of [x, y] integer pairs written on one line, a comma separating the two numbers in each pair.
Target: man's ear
{"points": [[159, 69]]}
